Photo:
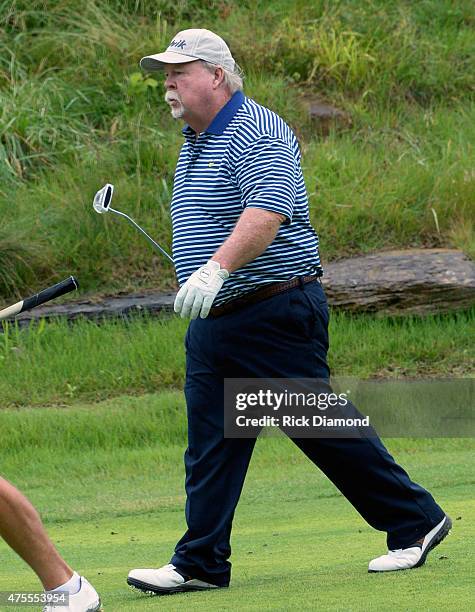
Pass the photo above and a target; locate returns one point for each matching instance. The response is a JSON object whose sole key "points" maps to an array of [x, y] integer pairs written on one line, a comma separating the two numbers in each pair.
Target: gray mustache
{"points": [[170, 97]]}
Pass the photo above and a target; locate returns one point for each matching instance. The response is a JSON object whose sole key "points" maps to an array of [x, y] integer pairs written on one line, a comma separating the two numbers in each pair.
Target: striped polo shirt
{"points": [[247, 157]]}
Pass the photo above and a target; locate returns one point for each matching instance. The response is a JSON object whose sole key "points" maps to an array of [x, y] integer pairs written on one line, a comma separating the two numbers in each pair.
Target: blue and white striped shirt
{"points": [[248, 156]]}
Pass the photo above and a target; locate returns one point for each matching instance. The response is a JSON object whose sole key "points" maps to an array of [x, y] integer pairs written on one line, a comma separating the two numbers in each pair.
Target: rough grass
{"points": [[75, 113], [61, 364]]}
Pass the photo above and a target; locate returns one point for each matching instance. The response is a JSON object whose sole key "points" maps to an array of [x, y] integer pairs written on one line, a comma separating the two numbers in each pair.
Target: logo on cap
{"points": [[179, 44]]}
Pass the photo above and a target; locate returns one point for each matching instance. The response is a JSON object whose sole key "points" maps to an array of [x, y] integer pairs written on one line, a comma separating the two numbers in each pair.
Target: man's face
{"points": [[189, 89]]}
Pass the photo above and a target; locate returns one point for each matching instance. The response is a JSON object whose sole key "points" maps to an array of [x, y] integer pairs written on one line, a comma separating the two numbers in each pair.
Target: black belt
{"points": [[261, 294]]}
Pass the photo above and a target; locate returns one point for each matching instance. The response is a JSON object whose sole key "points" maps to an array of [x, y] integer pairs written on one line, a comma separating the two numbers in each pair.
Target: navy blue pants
{"points": [[285, 336]]}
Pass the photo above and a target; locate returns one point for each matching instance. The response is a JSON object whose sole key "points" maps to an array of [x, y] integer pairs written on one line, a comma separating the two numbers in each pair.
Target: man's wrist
{"points": [[219, 266]]}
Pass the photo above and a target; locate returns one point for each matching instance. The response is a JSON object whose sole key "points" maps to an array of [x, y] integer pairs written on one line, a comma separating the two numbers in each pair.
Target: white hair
{"points": [[232, 80]]}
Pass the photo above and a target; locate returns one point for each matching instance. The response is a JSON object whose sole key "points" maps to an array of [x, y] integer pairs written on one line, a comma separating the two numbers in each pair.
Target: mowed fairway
{"points": [[113, 501]]}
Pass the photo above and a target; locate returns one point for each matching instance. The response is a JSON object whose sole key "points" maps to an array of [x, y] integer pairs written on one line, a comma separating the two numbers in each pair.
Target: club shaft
{"points": [[149, 238]]}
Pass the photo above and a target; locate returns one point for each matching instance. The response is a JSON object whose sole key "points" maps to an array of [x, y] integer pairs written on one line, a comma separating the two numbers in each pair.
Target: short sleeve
{"points": [[266, 175]]}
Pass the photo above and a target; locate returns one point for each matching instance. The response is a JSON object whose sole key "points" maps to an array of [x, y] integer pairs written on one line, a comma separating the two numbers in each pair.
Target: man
{"points": [[22, 529], [248, 264]]}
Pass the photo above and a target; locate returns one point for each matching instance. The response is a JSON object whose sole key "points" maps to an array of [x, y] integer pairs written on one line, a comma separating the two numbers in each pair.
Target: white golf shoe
{"points": [[165, 580], [85, 600], [414, 556]]}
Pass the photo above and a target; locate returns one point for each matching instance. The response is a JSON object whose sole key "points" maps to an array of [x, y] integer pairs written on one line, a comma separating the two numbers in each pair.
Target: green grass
{"points": [[75, 113], [400, 179], [116, 502], [61, 364], [315, 560]]}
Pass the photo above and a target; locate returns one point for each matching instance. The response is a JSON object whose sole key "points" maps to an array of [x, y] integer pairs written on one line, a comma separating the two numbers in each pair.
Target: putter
{"points": [[102, 204]]}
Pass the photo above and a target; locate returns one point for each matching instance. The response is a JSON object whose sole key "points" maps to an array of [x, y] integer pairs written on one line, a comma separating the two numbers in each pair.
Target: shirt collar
{"points": [[223, 118]]}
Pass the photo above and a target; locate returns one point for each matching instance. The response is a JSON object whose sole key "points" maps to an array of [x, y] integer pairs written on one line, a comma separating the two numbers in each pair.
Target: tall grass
{"points": [[75, 112], [401, 178], [57, 364], [21, 258], [375, 48]]}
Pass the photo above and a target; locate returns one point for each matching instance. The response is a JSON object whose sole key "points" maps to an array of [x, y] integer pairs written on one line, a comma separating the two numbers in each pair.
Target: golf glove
{"points": [[197, 295]]}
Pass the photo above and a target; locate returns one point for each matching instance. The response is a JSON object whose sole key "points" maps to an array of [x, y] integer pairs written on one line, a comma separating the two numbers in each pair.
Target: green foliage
{"points": [[22, 257], [388, 180], [366, 49], [42, 121], [322, 56], [127, 422], [60, 364], [139, 84]]}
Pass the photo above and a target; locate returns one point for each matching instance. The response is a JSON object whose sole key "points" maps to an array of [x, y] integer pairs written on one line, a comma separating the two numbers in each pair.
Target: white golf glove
{"points": [[198, 293]]}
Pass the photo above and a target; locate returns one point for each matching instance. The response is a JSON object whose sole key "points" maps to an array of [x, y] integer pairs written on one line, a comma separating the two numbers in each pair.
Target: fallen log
{"points": [[415, 281], [406, 282]]}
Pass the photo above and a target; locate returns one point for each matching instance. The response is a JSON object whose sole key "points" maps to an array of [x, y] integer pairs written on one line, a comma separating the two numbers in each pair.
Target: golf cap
{"points": [[189, 46]]}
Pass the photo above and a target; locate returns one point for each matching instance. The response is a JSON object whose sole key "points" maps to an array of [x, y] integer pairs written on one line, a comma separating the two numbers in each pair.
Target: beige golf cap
{"points": [[189, 46]]}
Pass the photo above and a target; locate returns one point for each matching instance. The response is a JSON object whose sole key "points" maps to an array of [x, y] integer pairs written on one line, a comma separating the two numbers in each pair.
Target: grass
{"points": [[328, 560], [115, 503], [60, 364], [75, 113], [400, 179]]}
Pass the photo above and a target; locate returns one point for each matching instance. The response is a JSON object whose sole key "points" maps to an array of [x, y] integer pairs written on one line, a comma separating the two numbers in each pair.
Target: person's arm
{"points": [[253, 233]]}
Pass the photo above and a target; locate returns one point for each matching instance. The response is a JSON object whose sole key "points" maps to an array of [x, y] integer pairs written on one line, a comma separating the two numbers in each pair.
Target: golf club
{"points": [[65, 286], [101, 204]]}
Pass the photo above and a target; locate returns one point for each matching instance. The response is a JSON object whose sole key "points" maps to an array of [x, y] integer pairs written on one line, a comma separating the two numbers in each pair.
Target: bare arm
{"points": [[253, 233]]}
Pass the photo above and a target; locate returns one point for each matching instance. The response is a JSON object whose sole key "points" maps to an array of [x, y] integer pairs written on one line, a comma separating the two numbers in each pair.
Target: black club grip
{"points": [[65, 286]]}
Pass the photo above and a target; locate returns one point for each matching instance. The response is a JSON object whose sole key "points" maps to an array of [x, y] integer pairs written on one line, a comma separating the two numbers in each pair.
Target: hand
{"points": [[198, 293]]}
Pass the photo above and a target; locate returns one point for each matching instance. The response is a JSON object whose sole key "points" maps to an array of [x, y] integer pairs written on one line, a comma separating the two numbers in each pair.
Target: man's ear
{"points": [[218, 77]]}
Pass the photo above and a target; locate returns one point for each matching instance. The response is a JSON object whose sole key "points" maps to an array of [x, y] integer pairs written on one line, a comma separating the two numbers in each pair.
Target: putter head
{"points": [[103, 198]]}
